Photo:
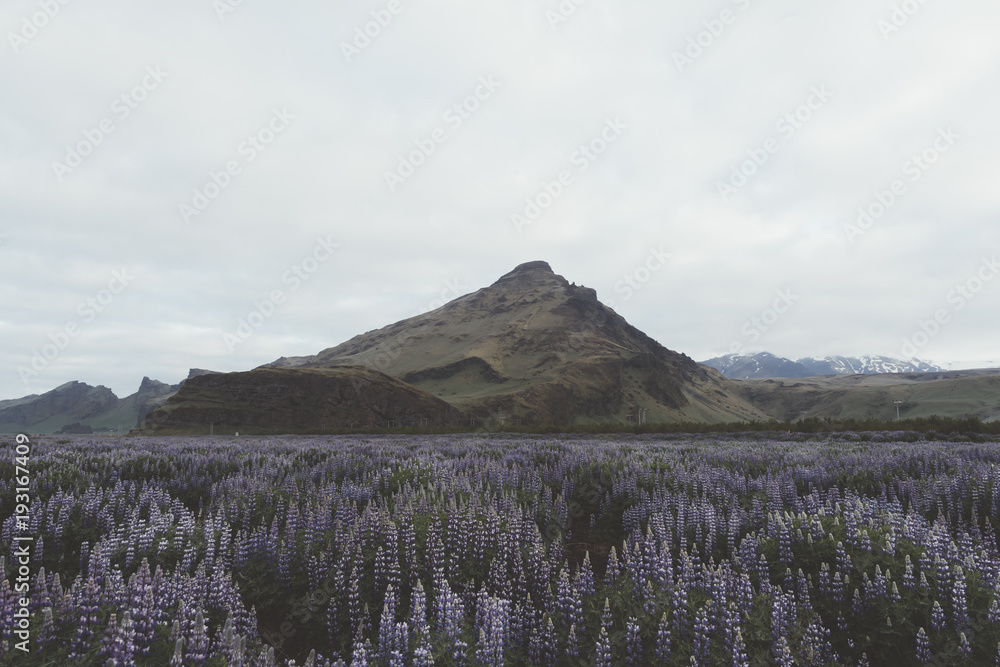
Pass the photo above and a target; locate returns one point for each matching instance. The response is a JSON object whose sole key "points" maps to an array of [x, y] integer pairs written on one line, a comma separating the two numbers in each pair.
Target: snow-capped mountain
{"points": [[766, 365], [760, 365], [838, 365]]}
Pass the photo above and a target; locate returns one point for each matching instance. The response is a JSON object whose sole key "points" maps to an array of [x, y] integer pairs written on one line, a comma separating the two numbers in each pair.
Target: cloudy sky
{"points": [[804, 178]]}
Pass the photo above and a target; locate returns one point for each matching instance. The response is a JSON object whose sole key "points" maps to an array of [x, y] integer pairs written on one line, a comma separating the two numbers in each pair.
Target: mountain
{"points": [[77, 407], [837, 365], [531, 348], [766, 365], [761, 365]]}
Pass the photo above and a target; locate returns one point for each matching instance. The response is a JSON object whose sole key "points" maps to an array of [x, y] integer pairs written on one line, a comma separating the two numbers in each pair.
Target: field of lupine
{"points": [[492, 550]]}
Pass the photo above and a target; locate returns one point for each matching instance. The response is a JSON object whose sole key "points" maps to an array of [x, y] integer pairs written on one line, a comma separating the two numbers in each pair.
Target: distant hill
{"points": [[766, 365], [960, 394], [282, 400], [77, 407]]}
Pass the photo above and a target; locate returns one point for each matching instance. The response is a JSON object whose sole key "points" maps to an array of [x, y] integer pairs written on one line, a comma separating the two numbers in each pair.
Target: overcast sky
{"points": [[166, 170]]}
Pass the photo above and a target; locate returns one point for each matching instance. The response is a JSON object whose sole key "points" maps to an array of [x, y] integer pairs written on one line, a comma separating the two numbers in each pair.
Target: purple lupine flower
{"points": [[387, 625], [943, 571], [197, 653], [359, 657], [418, 614], [46, 634], [857, 604], [763, 571], [994, 612], [824, 579], [400, 645], [108, 649], [178, 658], [633, 643], [422, 657], [923, 647], [816, 647], [783, 616], [613, 570], [663, 648], [549, 651], [937, 617], [843, 560], [960, 610], [784, 542], [572, 645], [602, 650], [782, 653], [963, 646], [739, 651], [459, 652], [124, 648], [802, 592], [702, 633], [908, 580], [679, 604], [586, 577]]}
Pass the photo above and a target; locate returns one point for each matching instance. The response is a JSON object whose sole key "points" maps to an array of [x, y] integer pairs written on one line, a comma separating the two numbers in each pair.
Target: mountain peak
{"points": [[532, 266], [535, 269]]}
